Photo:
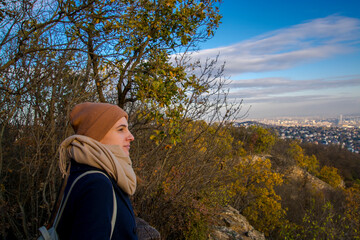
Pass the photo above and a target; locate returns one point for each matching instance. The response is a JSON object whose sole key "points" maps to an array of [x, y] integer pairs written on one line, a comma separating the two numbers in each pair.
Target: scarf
{"points": [[110, 158]]}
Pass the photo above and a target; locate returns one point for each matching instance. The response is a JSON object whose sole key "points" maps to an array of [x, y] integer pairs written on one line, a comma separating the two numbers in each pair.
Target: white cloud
{"points": [[269, 89], [272, 97], [281, 82], [285, 48], [305, 106]]}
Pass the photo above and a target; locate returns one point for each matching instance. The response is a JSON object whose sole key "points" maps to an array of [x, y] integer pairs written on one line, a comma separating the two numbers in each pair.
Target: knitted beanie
{"points": [[95, 119]]}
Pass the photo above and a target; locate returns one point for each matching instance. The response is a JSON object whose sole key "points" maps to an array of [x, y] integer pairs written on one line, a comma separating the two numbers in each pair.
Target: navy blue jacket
{"points": [[89, 209]]}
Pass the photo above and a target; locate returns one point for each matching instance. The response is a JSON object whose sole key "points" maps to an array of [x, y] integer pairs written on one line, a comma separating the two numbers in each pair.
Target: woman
{"points": [[101, 142]]}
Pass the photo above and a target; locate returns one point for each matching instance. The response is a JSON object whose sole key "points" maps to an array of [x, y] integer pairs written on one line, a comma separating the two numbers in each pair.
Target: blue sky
{"points": [[290, 58]]}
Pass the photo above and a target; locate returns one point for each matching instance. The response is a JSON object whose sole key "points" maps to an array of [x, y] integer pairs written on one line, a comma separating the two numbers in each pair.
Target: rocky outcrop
{"points": [[231, 225], [310, 180], [145, 231]]}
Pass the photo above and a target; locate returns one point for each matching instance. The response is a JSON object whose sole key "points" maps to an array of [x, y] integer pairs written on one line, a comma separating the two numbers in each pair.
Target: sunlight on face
{"points": [[120, 135]]}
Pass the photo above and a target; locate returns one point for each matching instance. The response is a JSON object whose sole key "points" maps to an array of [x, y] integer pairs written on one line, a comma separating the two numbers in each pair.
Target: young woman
{"points": [[101, 142]]}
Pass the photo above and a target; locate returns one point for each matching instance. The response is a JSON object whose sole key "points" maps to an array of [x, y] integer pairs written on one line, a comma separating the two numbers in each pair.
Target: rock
{"points": [[145, 231], [309, 180], [233, 226]]}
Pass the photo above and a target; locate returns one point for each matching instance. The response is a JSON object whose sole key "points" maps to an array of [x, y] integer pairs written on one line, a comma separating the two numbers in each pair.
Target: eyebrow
{"points": [[122, 125]]}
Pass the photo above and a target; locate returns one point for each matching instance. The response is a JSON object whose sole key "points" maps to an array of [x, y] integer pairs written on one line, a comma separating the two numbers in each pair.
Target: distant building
{"points": [[340, 120]]}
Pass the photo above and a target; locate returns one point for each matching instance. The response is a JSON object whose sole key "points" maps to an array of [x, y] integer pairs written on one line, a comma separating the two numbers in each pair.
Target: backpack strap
{"points": [[44, 233], [59, 198], [113, 219]]}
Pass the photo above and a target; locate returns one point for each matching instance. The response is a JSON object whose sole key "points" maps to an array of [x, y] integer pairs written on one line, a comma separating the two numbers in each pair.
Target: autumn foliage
{"points": [[207, 169]]}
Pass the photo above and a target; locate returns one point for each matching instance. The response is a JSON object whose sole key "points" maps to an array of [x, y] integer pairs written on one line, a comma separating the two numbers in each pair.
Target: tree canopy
{"points": [[56, 53]]}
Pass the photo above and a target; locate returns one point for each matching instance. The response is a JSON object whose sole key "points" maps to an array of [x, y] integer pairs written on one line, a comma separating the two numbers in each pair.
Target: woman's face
{"points": [[120, 135]]}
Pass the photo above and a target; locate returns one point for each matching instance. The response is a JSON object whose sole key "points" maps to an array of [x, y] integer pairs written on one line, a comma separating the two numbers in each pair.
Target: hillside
{"points": [[346, 162], [217, 182]]}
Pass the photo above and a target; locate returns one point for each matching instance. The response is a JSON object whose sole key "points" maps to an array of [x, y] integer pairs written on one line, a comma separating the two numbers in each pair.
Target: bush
{"points": [[330, 175]]}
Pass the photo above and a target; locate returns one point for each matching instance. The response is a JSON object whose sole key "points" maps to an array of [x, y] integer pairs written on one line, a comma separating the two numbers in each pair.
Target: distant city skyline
{"points": [[290, 58]]}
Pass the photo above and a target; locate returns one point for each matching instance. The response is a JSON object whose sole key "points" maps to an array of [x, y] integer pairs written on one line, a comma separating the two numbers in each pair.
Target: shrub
{"points": [[254, 195], [330, 175]]}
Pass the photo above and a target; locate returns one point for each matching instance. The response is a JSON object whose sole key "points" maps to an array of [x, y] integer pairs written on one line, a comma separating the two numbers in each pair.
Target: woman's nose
{"points": [[131, 137]]}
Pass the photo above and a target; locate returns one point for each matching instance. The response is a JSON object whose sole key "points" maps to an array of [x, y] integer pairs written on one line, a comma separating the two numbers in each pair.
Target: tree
{"points": [[309, 163], [353, 210], [331, 176], [253, 191], [56, 53], [259, 140], [130, 47]]}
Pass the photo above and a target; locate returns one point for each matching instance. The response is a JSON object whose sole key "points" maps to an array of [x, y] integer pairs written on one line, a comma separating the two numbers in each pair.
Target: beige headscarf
{"points": [[110, 158]]}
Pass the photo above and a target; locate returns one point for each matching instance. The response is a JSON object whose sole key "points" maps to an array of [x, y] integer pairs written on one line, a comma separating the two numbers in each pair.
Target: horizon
{"points": [[313, 117], [290, 59]]}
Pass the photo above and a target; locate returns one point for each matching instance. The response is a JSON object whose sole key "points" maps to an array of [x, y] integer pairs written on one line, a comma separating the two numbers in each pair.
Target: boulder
{"points": [[231, 225], [145, 231]]}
